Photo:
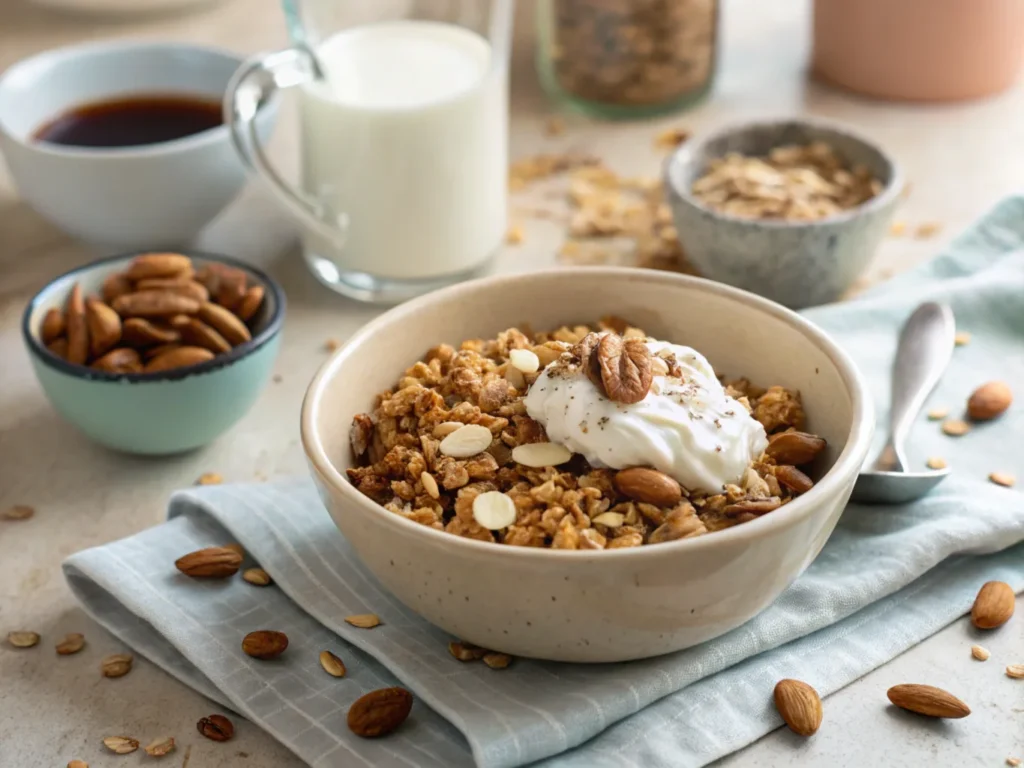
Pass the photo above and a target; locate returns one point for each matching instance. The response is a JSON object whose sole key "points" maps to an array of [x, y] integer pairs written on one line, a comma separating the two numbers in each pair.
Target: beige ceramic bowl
{"points": [[593, 606]]}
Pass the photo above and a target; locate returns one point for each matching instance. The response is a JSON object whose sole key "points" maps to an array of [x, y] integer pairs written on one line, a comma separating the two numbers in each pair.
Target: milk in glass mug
{"points": [[403, 106]]}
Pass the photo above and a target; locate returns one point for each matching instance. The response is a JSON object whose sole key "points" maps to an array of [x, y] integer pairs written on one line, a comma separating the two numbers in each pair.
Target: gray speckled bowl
{"points": [[798, 264]]}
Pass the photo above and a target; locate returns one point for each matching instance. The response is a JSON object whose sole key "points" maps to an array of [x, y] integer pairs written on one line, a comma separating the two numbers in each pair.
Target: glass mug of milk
{"points": [[403, 108]]}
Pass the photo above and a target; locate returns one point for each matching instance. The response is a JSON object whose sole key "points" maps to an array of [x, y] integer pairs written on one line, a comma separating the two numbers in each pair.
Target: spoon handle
{"points": [[924, 350]]}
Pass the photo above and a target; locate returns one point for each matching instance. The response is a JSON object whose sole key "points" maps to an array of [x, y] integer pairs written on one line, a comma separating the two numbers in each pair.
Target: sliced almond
{"points": [[160, 747], [980, 653], [332, 665], [524, 360], [22, 639], [1015, 671], [494, 510], [445, 428], [225, 322], [257, 577], [937, 414], [1004, 479], [539, 455], [430, 485], [363, 620], [927, 700], [120, 745], [468, 440], [53, 325], [955, 427], [610, 519], [72, 643], [936, 462]]}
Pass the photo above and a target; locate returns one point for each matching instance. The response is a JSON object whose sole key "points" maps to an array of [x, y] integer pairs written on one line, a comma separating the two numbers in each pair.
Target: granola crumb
{"points": [[1004, 479], [955, 427], [515, 234], [980, 653], [927, 230], [937, 414], [331, 345], [962, 338], [554, 126], [936, 462], [898, 229]]}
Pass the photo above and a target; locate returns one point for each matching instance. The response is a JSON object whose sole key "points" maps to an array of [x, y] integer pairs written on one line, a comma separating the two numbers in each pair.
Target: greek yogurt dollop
{"points": [[686, 426]]}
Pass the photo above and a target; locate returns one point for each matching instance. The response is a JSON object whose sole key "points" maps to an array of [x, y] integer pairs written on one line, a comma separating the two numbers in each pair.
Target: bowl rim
{"points": [[126, 47], [689, 152], [270, 330], [844, 469]]}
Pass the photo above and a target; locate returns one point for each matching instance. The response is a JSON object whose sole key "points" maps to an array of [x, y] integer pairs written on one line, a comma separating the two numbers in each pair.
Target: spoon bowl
{"points": [[873, 487]]}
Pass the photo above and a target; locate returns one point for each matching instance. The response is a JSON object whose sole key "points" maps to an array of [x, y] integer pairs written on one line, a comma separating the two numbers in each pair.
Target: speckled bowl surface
{"points": [[798, 264], [155, 413], [592, 606]]}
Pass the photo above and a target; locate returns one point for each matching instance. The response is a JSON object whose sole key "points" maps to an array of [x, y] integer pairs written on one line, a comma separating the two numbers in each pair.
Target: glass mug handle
{"points": [[255, 83]]}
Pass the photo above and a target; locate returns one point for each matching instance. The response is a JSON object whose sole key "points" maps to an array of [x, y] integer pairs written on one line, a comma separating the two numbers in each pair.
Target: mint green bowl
{"points": [[156, 413]]}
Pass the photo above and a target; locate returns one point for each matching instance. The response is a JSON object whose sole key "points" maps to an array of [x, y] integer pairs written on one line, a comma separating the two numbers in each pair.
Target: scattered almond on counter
{"points": [[160, 747], [937, 414], [363, 620], [22, 639], [120, 745], [257, 577], [117, 665], [72, 643], [332, 665], [989, 401], [799, 705], [980, 653], [379, 712], [927, 700], [955, 427], [18, 512], [159, 314], [1016, 671], [993, 606], [1003, 478], [936, 462]]}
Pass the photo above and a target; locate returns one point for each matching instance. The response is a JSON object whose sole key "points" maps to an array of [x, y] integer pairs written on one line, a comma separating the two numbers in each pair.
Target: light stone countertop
{"points": [[960, 159]]}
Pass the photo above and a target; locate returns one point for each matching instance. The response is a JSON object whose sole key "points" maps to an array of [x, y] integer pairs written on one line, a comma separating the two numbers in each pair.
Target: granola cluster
{"points": [[793, 183], [446, 448]]}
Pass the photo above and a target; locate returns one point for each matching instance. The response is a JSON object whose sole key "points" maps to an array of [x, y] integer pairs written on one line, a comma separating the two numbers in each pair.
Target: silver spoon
{"points": [[924, 350]]}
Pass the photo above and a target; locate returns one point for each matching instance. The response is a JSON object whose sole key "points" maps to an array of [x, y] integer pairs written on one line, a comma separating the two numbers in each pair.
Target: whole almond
{"points": [[927, 700], [72, 643], [210, 563], [379, 712], [59, 347], [794, 448], [115, 285], [53, 325], [989, 400], [178, 358], [158, 265], [182, 285], [77, 328], [140, 332], [117, 665], [162, 349], [120, 360], [993, 606], [250, 302], [199, 334], [799, 705], [225, 322], [332, 665], [104, 327], [226, 284], [265, 644], [216, 728], [648, 486], [793, 478], [155, 304]]}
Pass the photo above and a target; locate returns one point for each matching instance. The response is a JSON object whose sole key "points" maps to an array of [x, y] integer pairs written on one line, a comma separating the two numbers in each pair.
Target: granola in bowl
{"points": [[579, 438]]}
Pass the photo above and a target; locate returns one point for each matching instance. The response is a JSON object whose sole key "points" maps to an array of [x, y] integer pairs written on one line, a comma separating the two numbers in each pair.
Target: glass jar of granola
{"points": [[627, 58]]}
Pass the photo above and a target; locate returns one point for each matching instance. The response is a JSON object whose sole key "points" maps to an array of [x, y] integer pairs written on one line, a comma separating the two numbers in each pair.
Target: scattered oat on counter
{"points": [[793, 183], [935, 462], [1003, 478], [515, 234], [927, 230], [955, 427], [527, 170], [962, 339], [937, 414]]}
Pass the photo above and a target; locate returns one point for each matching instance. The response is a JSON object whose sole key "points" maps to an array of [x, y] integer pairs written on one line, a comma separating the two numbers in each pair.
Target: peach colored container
{"points": [[923, 50]]}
